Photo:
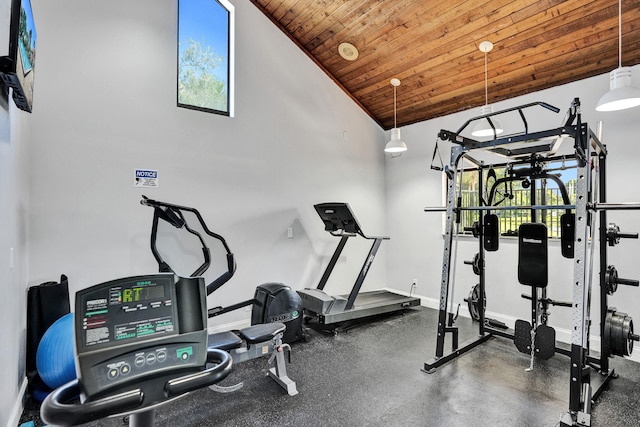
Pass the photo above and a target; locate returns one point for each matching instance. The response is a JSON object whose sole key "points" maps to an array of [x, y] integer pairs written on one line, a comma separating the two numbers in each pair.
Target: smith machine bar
{"points": [[529, 153]]}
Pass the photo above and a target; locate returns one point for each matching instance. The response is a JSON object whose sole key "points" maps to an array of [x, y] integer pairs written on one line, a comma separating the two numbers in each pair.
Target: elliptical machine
{"points": [[276, 315]]}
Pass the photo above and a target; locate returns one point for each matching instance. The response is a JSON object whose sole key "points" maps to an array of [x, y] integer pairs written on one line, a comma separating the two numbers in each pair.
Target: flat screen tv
{"points": [[18, 68]]}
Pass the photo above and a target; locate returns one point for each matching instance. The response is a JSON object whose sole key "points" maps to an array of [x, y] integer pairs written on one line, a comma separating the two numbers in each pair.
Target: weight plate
{"points": [[618, 332], [473, 302]]}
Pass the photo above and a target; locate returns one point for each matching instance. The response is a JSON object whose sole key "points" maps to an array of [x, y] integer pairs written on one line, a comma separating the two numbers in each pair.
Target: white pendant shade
{"points": [[482, 127], [622, 94], [395, 144]]}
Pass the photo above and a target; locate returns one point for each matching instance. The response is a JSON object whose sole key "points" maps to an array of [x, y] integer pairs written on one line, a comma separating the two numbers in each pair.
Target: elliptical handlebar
{"points": [[173, 214], [157, 204]]}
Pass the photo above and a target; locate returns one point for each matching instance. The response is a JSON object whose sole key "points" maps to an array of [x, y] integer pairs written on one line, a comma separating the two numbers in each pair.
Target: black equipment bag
{"points": [[46, 303], [532, 255]]}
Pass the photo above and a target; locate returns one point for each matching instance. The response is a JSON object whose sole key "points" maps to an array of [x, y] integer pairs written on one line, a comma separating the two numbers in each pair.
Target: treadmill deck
{"points": [[368, 304]]}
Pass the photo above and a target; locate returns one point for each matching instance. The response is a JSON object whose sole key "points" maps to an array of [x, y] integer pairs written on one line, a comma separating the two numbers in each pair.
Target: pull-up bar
{"points": [[508, 110]]}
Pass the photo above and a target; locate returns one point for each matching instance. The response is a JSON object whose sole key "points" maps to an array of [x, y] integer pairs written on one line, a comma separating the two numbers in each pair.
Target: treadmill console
{"points": [[337, 217], [134, 331]]}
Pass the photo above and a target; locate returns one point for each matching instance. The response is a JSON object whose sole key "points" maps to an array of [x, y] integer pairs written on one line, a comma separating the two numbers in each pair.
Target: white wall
{"points": [[106, 104], [14, 180], [416, 248], [13, 256]]}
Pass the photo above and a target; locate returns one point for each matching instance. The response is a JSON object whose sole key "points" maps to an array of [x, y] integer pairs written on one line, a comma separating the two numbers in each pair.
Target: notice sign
{"points": [[145, 178]]}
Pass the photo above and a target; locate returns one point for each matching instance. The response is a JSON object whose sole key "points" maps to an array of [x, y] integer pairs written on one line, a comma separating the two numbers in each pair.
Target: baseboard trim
{"points": [[18, 405]]}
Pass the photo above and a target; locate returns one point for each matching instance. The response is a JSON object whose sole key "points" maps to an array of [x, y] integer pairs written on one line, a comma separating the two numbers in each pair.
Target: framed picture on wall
{"points": [[205, 55]]}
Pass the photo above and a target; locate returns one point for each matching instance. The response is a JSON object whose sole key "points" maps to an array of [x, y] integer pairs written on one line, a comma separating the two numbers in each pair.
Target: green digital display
{"points": [[127, 309], [141, 292]]}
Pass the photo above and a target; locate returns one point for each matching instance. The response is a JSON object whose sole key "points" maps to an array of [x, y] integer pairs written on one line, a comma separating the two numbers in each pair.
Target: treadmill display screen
{"points": [[127, 309]]}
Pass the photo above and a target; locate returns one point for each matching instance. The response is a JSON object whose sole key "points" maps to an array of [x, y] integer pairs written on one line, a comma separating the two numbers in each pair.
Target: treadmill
{"points": [[340, 221]]}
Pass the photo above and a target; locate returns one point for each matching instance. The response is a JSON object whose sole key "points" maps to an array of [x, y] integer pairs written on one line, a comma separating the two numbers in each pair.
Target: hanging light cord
{"points": [[394, 107], [486, 91]]}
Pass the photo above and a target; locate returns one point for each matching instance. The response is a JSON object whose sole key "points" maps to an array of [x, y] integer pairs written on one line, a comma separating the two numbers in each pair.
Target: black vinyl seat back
{"points": [[533, 265]]}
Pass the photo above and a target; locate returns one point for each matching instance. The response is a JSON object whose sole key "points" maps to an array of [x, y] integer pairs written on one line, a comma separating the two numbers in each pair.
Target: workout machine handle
{"points": [[173, 214], [56, 411], [222, 367]]}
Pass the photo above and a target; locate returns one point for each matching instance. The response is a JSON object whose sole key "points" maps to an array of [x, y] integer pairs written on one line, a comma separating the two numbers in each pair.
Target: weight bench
{"points": [[253, 342]]}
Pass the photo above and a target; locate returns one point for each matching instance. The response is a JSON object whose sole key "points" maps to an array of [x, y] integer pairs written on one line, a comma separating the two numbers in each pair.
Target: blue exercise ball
{"points": [[55, 357]]}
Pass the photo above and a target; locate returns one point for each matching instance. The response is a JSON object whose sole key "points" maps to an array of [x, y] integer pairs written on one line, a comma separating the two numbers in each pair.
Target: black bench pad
{"points": [[262, 332], [224, 341]]}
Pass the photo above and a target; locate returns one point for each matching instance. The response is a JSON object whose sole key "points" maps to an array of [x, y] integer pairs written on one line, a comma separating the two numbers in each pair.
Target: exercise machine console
{"points": [[340, 221], [140, 342]]}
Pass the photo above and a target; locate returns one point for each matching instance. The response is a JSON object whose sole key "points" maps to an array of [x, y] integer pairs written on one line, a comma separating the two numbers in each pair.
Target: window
{"points": [[502, 187], [205, 55]]}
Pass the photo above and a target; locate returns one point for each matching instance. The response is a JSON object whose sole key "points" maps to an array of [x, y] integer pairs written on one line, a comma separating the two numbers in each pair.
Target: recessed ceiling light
{"points": [[348, 51]]}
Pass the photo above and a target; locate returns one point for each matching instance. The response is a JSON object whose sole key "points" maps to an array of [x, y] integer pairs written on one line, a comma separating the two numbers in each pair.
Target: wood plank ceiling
{"points": [[433, 48]]}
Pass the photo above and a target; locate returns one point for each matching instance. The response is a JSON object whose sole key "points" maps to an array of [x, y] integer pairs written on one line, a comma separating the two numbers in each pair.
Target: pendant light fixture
{"points": [[622, 94], [483, 127], [395, 144]]}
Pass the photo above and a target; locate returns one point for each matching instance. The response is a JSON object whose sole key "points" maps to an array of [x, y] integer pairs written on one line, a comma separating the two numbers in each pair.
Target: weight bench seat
{"points": [[262, 332], [224, 341]]}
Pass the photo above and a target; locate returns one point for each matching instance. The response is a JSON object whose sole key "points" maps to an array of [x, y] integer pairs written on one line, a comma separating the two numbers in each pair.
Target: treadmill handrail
{"points": [[363, 273], [341, 233], [337, 217]]}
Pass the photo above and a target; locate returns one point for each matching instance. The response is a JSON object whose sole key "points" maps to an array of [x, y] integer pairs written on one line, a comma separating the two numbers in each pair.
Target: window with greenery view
{"points": [[205, 55], [518, 193]]}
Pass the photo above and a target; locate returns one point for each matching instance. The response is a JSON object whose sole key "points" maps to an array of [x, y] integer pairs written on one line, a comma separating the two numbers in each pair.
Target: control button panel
{"points": [[143, 362]]}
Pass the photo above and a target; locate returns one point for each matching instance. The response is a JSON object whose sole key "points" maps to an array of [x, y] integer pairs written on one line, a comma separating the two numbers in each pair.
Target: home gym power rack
{"points": [[589, 374]]}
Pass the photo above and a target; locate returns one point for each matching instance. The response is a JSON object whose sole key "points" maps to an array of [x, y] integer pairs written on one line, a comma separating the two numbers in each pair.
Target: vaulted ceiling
{"points": [[432, 46]]}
